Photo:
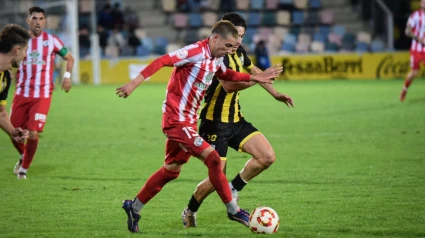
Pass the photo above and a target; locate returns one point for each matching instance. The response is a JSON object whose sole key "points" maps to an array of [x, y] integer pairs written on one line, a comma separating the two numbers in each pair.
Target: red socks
{"points": [[31, 147], [217, 177], [407, 83], [155, 183], [161, 177], [20, 147]]}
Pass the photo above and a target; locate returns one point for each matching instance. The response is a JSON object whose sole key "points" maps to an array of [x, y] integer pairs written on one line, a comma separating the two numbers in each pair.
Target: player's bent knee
{"points": [[33, 135], [268, 159], [213, 160], [414, 73], [170, 174]]}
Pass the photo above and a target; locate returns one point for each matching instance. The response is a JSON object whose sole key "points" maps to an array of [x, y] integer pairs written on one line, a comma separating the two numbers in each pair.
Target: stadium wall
{"points": [[390, 65]]}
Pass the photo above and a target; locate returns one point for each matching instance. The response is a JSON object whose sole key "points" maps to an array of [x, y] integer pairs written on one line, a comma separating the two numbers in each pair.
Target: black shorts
{"points": [[221, 135]]}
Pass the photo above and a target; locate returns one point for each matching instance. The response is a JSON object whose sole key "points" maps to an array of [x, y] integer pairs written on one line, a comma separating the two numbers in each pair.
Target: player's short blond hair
{"points": [[225, 29]]}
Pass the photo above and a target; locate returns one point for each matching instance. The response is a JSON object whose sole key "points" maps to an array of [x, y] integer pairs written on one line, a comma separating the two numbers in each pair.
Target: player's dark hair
{"points": [[36, 9], [225, 29], [235, 19], [12, 35]]}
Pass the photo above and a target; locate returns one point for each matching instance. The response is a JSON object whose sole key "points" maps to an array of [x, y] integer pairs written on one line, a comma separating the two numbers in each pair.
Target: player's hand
{"points": [[269, 74], [126, 90], [285, 99], [66, 84], [19, 135]]}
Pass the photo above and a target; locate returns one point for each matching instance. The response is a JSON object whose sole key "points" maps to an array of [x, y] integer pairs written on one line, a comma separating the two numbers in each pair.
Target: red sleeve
{"points": [[188, 54], [156, 65], [231, 75]]}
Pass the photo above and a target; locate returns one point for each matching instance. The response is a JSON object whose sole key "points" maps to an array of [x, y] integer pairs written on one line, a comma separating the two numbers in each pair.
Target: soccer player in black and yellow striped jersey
{"points": [[223, 125], [13, 49]]}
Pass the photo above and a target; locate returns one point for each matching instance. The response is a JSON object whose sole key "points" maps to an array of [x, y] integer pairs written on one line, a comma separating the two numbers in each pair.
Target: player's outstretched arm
{"points": [[127, 89], [176, 58], [232, 86], [268, 75], [276, 95], [264, 77]]}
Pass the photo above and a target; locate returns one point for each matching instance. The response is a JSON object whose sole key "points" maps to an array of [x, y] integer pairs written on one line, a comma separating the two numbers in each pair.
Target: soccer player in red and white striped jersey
{"points": [[34, 87], [195, 66], [416, 30]]}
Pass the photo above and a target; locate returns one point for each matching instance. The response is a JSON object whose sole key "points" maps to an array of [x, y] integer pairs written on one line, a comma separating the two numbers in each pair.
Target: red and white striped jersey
{"points": [[194, 70], [417, 22], [35, 74]]}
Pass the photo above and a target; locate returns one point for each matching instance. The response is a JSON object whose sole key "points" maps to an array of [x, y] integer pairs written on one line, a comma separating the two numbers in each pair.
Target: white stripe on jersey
{"points": [[39, 69], [50, 39], [21, 75], [57, 44], [28, 72], [187, 88], [193, 113]]}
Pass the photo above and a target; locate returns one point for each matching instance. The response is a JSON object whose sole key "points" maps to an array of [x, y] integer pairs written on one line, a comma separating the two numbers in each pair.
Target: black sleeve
{"points": [[247, 63], [226, 61], [5, 85]]}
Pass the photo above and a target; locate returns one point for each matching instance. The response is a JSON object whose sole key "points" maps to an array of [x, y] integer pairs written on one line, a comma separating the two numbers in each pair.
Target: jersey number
{"points": [[190, 132], [212, 137]]}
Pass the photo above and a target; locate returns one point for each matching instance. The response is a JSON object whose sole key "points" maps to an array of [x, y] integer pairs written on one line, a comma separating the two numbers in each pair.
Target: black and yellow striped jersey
{"points": [[5, 81], [220, 105]]}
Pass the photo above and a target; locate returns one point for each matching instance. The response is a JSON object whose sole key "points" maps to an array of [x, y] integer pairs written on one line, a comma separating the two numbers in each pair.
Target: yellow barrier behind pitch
{"points": [[296, 67], [346, 66]]}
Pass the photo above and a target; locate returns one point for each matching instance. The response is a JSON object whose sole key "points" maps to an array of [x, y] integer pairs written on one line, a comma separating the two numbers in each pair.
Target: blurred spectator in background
{"points": [[117, 16], [105, 18], [116, 39], [84, 39], [103, 39], [262, 55], [133, 41], [131, 18]]}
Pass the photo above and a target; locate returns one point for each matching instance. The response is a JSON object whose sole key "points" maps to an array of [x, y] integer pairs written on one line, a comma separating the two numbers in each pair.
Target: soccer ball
{"points": [[264, 220]]}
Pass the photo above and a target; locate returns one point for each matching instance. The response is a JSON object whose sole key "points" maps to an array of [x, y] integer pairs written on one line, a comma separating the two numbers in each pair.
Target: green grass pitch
{"points": [[350, 163]]}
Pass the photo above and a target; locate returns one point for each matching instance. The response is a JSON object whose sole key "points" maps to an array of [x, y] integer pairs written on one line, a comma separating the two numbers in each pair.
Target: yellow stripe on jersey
{"points": [[3, 84], [249, 67], [3, 87], [238, 113], [225, 111], [210, 112], [235, 108]]}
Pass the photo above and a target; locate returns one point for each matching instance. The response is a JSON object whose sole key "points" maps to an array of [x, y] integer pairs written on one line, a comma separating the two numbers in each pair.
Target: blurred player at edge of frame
{"points": [[415, 29]]}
